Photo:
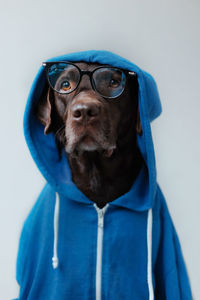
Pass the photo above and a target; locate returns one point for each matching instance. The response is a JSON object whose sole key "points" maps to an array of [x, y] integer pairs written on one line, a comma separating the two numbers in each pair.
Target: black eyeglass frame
{"points": [[47, 65]]}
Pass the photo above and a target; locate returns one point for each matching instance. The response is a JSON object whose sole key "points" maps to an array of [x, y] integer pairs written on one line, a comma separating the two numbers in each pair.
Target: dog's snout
{"points": [[85, 111]]}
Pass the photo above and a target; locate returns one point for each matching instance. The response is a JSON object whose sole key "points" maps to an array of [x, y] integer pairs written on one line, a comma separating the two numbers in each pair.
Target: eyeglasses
{"points": [[64, 78]]}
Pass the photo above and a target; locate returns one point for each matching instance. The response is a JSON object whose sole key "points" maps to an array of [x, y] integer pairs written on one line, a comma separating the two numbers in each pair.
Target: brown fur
{"points": [[107, 125]]}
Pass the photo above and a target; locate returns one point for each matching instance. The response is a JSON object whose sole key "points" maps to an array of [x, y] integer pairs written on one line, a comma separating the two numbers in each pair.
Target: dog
{"points": [[98, 135], [100, 228]]}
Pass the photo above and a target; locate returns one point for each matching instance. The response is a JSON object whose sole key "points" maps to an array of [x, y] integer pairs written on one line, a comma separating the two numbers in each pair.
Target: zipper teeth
{"points": [[101, 213]]}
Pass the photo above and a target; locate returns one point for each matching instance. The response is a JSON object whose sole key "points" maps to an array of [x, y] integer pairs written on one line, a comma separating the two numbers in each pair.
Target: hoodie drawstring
{"points": [[149, 251], [55, 260]]}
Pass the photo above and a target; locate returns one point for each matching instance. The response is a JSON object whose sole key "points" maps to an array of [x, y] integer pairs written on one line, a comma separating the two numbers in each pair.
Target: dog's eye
{"points": [[65, 86], [114, 83]]}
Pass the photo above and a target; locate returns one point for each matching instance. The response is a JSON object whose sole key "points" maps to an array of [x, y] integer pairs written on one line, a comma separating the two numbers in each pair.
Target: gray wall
{"points": [[162, 37]]}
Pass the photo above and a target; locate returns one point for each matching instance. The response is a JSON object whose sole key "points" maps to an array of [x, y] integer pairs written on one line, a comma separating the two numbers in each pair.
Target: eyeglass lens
{"points": [[64, 78]]}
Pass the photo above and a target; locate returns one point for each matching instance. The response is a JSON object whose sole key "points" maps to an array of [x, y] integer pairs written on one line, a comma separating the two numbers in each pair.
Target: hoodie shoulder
{"points": [[40, 213], [44, 201]]}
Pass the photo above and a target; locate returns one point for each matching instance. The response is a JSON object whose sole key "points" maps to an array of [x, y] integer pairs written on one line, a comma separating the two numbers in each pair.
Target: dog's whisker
{"points": [[59, 131]]}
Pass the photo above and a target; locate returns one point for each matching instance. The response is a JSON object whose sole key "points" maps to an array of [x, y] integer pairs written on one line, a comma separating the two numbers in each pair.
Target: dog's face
{"points": [[86, 121]]}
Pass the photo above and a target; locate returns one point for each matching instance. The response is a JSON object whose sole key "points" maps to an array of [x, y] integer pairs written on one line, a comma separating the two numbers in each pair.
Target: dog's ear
{"points": [[138, 123], [134, 90], [43, 110]]}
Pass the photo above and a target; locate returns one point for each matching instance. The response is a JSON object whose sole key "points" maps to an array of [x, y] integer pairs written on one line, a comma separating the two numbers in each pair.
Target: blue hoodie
{"points": [[71, 249]]}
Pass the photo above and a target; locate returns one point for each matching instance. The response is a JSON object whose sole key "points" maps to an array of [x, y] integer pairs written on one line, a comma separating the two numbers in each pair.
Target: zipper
{"points": [[100, 228]]}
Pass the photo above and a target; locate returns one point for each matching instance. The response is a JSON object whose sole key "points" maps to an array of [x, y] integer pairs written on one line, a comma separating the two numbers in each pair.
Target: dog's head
{"points": [[84, 114]]}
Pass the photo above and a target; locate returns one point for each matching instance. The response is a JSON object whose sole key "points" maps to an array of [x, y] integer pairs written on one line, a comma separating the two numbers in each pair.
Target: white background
{"points": [[162, 37]]}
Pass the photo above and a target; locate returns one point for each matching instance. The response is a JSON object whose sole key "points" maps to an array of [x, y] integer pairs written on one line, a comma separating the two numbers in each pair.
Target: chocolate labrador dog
{"points": [[97, 131]]}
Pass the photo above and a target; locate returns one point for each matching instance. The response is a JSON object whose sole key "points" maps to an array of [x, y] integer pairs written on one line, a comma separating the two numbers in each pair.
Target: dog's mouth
{"points": [[89, 143], [99, 137]]}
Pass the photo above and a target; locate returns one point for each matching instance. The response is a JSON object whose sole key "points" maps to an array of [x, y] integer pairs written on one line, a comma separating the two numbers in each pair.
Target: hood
{"points": [[57, 171]]}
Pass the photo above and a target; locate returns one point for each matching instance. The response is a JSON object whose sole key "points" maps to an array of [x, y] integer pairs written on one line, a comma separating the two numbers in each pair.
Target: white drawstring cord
{"points": [[55, 244], [149, 249]]}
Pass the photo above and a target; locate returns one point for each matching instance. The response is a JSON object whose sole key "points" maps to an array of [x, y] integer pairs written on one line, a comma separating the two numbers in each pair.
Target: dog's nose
{"points": [[85, 111]]}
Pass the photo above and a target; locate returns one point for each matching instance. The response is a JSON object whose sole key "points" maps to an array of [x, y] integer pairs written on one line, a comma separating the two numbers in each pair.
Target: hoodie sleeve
{"points": [[171, 278]]}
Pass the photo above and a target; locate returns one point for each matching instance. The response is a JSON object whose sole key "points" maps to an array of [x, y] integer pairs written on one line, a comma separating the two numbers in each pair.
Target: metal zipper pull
{"points": [[100, 218]]}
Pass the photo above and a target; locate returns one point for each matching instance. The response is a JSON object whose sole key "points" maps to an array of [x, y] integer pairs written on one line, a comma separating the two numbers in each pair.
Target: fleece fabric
{"points": [[128, 251]]}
